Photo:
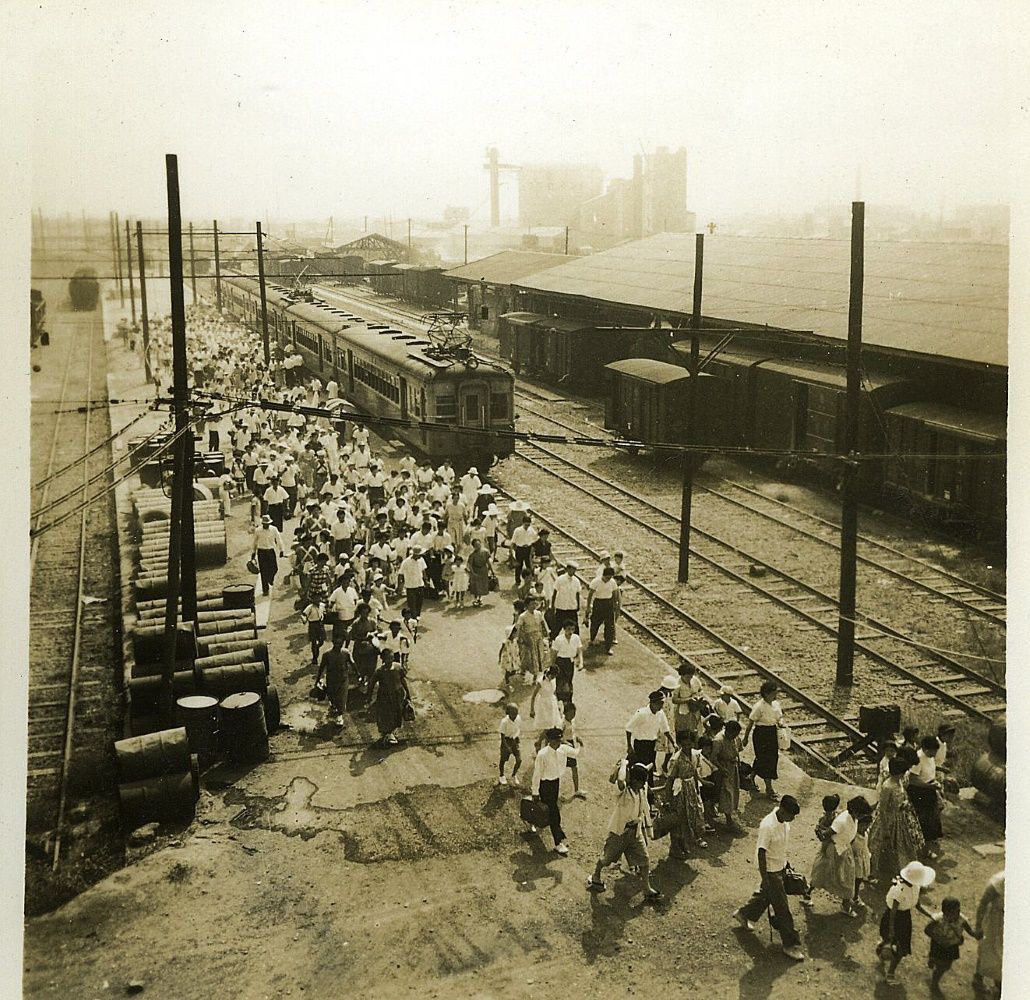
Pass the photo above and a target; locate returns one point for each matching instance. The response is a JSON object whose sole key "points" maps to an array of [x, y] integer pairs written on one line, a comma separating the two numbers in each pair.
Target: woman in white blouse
{"points": [[834, 867], [765, 717], [924, 795]]}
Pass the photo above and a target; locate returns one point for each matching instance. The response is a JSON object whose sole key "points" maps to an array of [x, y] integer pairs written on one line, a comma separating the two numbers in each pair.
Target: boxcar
{"points": [[84, 289], [735, 372], [509, 326], [647, 401], [948, 463]]}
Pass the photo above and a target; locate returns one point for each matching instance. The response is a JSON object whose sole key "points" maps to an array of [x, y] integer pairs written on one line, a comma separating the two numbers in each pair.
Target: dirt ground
{"points": [[339, 869]]}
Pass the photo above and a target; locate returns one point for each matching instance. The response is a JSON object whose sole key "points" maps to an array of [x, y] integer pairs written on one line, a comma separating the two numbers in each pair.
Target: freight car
{"points": [[948, 464], [567, 352], [392, 373], [84, 289], [648, 402]]}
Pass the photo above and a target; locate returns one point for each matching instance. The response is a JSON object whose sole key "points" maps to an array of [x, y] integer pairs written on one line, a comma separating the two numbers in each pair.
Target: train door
{"points": [[404, 398], [474, 399], [350, 371]]}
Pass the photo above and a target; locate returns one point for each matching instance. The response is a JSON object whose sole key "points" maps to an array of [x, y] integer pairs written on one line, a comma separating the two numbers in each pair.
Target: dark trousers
{"points": [[342, 546], [523, 561], [212, 440], [644, 752], [268, 566], [413, 596], [771, 893], [434, 568], [549, 794], [291, 501], [602, 612], [276, 512], [561, 616]]}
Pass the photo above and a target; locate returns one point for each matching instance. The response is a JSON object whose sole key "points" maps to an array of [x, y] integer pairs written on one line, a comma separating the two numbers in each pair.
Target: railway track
{"points": [[71, 694], [908, 569]]}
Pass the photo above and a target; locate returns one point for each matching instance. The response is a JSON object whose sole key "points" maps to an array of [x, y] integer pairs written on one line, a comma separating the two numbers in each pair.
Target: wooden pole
{"points": [[193, 268], [143, 300], [264, 301], [409, 240], [128, 268], [218, 270], [116, 245], [466, 243], [849, 486], [42, 239], [566, 241], [695, 364]]}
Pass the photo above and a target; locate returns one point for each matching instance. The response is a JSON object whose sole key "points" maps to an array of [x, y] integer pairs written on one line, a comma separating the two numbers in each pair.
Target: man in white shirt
{"points": [[343, 605], [412, 571], [548, 769], [522, 539], [627, 826], [568, 651], [565, 599], [772, 851], [276, 498], [601, 606], [643, 730], [267, 543]]}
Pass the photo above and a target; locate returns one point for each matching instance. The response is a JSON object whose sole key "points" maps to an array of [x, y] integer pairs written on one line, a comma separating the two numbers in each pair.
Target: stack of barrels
{"points": [[217, 657], [158, 778], [153, 511]]}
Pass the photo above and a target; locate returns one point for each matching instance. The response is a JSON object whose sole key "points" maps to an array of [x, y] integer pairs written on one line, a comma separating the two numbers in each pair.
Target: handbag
{"points": [[784, 737], [534, 812], [794, 883], [494, 584], [252, 566], [318, 692], [664, 823]]}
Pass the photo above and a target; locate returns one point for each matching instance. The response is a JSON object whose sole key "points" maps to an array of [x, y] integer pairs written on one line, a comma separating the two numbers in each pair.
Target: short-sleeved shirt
{"points": [[569, 648], [900, 892], [523, 536], [644, 724], [774, 837], [512, 728], [413, 571], [925, 769], [566, 592], [844, 829], [603, 589], [766, 713]]}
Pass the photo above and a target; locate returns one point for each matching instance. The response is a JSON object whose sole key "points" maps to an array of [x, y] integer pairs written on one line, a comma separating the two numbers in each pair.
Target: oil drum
{"points": [[141, 757], [987, 775], [997, 737], [169, 797], [244, 736], [238, 595], [198, 714], [222, 681]]}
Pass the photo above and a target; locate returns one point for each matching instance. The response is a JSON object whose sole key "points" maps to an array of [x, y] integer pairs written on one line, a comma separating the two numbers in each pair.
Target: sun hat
{"points": [[918, 874], [671, 682], [266, 519], [726, 689]]}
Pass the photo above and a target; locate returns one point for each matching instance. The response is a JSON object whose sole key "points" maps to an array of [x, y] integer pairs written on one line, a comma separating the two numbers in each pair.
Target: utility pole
{"points": [[849, 487], [128, 267], [143, 299], [264, 302], [42, 240], [409, 241], [116, 247], [695, 365], [366, 223], [193, 268], [218, 270], [566, 241], [466, 243]]}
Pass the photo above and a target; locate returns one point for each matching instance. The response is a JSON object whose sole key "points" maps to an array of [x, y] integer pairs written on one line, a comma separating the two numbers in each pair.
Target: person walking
{"points": [[544, 696], [337, 665], [628, 828], [565, 600], [479, 573], [645, 727], [389, 694], [924, 794], [276, 498], [600, 608], [522, 539], [896, 922], [548, 768], [510, 729], [989, 927], [726, 758], [894, 835], [681, 797], [567, 648], [764, 719], [772, 851], [412, 571], [268, 546], [834, 866]]}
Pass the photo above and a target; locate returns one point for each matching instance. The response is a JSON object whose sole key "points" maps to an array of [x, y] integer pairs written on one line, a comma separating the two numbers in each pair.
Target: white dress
{"points": [[548, 713]]}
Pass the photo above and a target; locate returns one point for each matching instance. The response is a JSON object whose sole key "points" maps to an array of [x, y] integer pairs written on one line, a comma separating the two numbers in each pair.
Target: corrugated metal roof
{"points": [[523, 318], [969, 423], [656, 372], [508, 266], [948, 299], [834, 375]]}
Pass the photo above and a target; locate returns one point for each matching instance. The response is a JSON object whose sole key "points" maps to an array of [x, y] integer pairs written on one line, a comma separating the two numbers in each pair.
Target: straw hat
{"points": [[918, 874], [266, 519], [671, 682], [726, 689]]}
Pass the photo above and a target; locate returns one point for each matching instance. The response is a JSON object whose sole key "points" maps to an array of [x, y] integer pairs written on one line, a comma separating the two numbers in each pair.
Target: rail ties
{"points": [[781, 588]]}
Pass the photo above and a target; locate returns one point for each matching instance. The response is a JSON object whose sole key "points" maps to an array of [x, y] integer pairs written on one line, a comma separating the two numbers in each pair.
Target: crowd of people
{"points": [[366, 542]]}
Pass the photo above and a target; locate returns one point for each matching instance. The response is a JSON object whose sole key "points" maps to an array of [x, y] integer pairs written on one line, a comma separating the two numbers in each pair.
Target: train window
{"points": [[498, 406], [446, 407]]}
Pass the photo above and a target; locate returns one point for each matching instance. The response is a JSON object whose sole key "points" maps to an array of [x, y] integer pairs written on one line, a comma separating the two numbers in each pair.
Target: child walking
{"points": [[945, 932], [568, 735], [896, 922], [823, 832], [510, 729], [459, 582]]}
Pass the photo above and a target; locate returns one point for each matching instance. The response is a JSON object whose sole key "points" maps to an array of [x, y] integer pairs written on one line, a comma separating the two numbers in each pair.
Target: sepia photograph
{"points": [[514, 499]]}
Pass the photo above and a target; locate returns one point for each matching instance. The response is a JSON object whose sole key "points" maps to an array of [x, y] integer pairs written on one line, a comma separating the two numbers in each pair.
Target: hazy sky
{"points": [[305, 109]]}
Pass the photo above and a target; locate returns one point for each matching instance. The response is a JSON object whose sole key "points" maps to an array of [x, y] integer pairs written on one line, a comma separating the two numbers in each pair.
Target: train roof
{"points": [[523, 318], [955, 419], [941, 299], [647, 370], [828, 375]]}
